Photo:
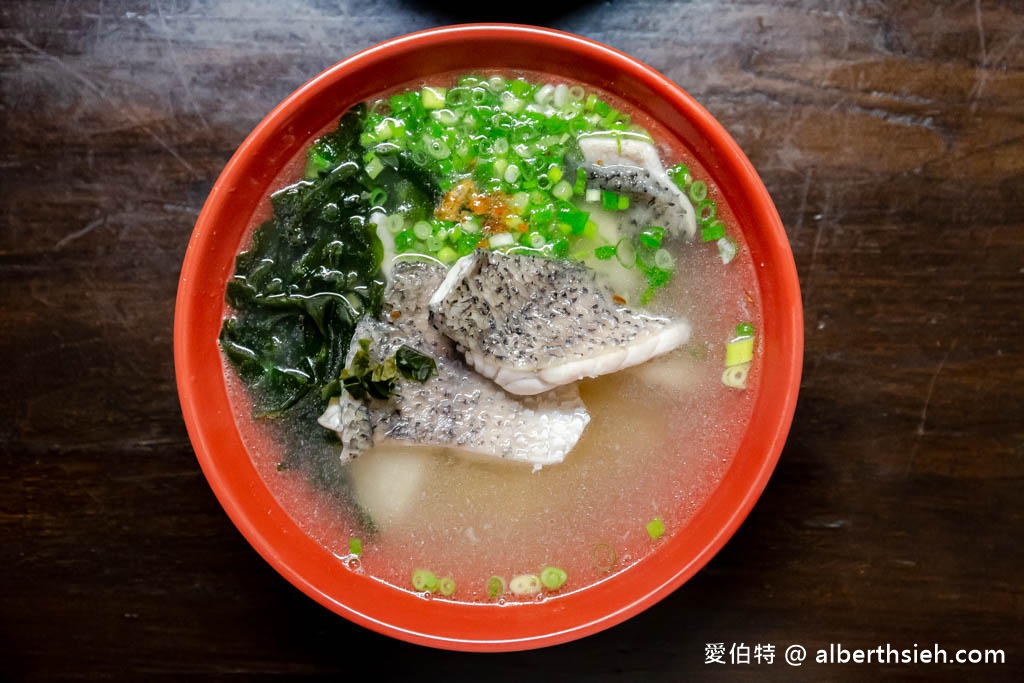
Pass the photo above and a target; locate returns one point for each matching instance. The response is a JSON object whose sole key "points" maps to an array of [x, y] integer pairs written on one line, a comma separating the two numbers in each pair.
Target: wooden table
{"points": [[891, 136]]}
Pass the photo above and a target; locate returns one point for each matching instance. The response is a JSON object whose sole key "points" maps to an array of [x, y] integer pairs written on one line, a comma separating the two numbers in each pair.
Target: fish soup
{"points": [[376, 413]]}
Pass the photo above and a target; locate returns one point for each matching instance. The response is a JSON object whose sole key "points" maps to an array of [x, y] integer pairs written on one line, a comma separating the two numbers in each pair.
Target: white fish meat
{"points": [[532, 324], [630, 166], [458, 408]]}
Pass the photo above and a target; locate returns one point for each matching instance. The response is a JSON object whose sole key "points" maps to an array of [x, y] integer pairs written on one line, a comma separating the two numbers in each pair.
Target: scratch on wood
{"points": [[920, 431], [89, 227], [804, 192], [177, 67], [820, 218], [981, 71], [95, 89], [931, 389]]}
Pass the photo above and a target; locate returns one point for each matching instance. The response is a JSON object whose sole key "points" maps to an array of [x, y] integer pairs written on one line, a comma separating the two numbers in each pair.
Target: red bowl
{"points": [[241, 191]]}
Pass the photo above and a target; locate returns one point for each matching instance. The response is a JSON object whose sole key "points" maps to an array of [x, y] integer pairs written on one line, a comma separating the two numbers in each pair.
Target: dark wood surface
{"points": [[891, 136]]}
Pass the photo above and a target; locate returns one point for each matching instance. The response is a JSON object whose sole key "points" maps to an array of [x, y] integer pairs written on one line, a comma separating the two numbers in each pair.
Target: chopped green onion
{"points": [[424, 580], [525, 584], [377, 197], [655, 528], [680, 175], [355, 546], [560, 247], [436, 148], [553, 577], [519, 87], [609, 200], [581, 181], [499, 168], [510, 103], [374, 166], [625, 253], [727, 249], [317, 162], [652, 236], [712, 232], [404, 241], [520, 202], [422, 230], [540, 216], [698, 190], [562, 190], [446, 586], [446, 116], [744, 330], [664, 260], [384, 130], [706, 210], [502, 239], [574, 218], [495, 587], [368, 139], [511, 173], [433, 98], [736, 376], [543, 95], [395, 223], [610, 117], [447, 255], [513, 137], [739, 351], [466, 244], [389, 147]]}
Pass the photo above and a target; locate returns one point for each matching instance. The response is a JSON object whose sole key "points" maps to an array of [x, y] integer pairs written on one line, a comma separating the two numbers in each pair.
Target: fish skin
{"points": [[458, 408], [532, 324], [350, 417], [632, 167]]}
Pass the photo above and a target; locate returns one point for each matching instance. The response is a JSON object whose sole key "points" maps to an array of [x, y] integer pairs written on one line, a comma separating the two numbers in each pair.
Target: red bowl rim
{"points": [[403, 615]]}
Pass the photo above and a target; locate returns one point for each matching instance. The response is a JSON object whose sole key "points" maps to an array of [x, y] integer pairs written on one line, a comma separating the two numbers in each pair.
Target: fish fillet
{"points": [[458, 408], [532, 324], [632, 167]]}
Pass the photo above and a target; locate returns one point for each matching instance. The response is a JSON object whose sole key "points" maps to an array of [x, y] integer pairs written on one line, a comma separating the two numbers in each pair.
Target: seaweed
{"points": [[308, 275]]}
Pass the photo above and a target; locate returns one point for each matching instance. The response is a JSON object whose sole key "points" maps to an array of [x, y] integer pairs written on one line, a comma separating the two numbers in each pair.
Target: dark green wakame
{"points": [[309, 273]]}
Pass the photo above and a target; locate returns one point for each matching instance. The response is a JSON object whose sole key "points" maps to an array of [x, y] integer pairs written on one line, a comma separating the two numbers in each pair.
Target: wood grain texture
{"points": [[891, 136]]}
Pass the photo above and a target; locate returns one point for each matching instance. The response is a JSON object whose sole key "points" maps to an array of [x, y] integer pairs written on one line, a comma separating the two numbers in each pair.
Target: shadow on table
{"points": [[539, 14]]}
